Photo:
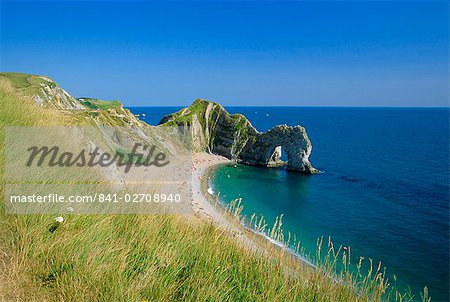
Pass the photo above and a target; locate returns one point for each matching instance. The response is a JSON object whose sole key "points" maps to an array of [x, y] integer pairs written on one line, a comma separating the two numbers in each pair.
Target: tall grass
{"points": [[330, 266], [154, 257]]}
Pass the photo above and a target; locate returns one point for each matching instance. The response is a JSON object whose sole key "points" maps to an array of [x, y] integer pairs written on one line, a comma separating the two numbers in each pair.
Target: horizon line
{"points": [[295, 106]]}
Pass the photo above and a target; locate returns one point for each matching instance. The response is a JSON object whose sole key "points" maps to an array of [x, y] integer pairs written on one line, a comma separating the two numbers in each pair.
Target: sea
{"points": [[383, 189]]}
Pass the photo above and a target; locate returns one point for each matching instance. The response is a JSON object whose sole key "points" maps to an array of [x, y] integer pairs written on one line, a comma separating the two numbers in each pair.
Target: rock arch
{"points": [[265, 149]]}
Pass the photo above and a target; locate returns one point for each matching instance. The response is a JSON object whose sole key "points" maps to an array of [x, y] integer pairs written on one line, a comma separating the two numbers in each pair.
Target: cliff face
{"points": [[213, 129], [233, 136]]}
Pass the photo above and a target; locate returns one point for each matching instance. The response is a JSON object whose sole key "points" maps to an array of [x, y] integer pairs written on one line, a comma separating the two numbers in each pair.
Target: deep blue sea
{"points": [[384, 190]]}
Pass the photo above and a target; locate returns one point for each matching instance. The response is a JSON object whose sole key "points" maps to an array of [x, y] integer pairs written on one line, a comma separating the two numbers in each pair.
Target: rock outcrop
{"points": [[233, 136]]}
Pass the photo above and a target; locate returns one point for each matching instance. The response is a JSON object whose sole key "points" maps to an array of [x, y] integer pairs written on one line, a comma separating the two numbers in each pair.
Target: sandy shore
{"points": [[205, 204]]}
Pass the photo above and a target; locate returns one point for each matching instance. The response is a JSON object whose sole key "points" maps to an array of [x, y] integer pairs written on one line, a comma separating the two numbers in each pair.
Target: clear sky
{"points": [[300, 53]]}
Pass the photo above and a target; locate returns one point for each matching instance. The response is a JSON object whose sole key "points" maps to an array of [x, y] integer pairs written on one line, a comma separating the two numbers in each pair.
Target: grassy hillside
{"points": [[147, 257], [99, 104]]}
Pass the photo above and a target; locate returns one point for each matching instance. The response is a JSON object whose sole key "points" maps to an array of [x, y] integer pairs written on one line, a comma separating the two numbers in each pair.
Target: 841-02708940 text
{"points": [[99, 197]]}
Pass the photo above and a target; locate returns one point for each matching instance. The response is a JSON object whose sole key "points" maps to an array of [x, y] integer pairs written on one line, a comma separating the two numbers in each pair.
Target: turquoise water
{"points": [[384, 190]]}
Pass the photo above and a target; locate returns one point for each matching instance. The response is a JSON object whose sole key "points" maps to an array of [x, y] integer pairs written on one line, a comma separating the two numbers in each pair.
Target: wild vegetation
{"points": [[155, 257]]}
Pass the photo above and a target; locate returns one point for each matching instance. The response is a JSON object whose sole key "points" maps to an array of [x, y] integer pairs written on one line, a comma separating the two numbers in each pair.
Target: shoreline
{"points": [[202, 202], [207, 206]]}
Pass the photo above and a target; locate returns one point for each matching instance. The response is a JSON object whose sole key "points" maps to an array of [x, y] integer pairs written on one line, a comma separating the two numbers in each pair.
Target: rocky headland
{"points": [[216, 131]]}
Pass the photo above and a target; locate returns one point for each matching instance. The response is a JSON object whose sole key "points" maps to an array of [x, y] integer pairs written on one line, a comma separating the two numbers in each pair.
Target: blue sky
{"points": [[149, 53]]}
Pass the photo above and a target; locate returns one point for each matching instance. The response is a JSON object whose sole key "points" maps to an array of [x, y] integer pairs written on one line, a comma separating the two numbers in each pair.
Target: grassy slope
{"points": [[141, 257], [99, 104], [24, 82]]}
